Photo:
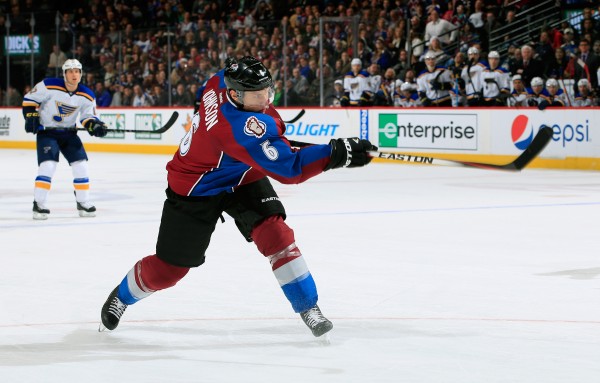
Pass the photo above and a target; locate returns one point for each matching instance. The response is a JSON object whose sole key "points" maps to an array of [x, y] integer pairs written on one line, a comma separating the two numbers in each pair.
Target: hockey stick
{"points": [[541, 139], [539, 142], [298, 116], [162, 129]]}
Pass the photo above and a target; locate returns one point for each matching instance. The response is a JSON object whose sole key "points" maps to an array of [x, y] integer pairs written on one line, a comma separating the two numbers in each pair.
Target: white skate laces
{"points": [[316, 322]]}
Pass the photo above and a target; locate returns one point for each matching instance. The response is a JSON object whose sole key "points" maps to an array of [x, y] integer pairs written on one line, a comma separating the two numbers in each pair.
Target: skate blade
{"points": [[101, 328], [325, 339], [40, 216], [83, 213]]}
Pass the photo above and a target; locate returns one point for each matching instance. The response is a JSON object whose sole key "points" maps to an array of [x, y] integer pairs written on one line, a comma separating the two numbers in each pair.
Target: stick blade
{"points": [[541, 139], [169, 123]]}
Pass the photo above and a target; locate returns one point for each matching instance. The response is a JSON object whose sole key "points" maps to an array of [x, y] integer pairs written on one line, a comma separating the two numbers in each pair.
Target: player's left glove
{"points": [[349, 153], [96, 128], [543, 105], [32, 122]]}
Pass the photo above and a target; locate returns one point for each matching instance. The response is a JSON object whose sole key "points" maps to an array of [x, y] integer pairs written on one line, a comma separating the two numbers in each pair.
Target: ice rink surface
{"points": [[429, 274]]}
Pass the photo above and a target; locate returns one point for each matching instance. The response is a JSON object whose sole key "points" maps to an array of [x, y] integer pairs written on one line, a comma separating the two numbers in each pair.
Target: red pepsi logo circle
{"points": [[521, 132]]}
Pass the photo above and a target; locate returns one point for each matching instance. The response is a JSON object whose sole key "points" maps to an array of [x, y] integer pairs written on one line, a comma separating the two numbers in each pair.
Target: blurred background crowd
{"points": [[543, 53]]}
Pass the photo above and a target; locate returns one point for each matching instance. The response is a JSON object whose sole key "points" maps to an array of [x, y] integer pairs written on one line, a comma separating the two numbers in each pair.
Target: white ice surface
{"points": [[430, 274]]}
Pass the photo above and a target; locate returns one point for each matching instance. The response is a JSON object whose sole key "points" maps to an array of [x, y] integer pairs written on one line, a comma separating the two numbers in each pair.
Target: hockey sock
{"points": [[81, 182], [275, 240], [43, 181], [150, 274]]}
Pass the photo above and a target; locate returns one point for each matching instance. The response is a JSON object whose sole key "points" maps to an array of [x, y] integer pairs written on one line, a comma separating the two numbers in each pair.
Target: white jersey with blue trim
{"points": [[427, 77], [57, 106], [356, 84], [495, 81]]}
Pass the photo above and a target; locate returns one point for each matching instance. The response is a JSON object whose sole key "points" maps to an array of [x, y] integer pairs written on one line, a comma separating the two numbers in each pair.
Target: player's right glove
{"points": [[95, 127], [349, 153], [424, 100], [32, 122], [543, 105]]}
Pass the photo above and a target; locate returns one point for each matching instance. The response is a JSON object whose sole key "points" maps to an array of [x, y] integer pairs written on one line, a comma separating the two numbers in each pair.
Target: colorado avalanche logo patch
{"points": [[254, 127]]}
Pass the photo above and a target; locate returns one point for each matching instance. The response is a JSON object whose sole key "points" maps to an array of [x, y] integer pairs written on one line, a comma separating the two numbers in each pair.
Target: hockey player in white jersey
{"points": [[434, 83], [470, 75], [495, 82], [357, 86], [51, 110], [554, 96], [536, 94], [583, 96], [518, 96]]}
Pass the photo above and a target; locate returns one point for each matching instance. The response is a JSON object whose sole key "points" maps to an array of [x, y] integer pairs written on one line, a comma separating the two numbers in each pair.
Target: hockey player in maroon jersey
{"points": [[235, 142]]}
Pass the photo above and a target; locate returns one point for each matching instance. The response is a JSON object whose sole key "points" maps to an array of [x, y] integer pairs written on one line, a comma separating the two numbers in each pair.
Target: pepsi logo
{"points": [[521, 132]]}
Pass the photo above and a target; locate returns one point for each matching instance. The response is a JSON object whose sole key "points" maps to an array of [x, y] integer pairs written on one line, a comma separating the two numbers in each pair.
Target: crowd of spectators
{"points": [[157, 53]]}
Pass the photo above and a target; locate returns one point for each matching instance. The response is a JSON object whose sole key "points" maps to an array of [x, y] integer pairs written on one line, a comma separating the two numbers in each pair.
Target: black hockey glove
{"points": [[96, 128], [436, 85], [532, 102], [349, 153], [424, 100], [543, 105], [32, 122]]}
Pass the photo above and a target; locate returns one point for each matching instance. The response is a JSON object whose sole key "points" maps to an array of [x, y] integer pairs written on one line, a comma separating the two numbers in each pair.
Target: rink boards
{"points": [[469, 134]]}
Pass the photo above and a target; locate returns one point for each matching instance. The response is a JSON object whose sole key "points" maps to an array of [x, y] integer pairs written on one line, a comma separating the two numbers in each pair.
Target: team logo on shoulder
{"points": [[255, 127]]}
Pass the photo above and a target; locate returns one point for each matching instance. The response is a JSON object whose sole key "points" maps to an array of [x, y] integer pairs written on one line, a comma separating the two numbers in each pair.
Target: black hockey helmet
{"points": [[246, 74]]}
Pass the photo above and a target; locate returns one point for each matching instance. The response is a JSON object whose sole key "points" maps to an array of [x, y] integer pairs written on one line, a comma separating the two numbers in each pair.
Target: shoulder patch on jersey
{"points": [[86, 92], [255, 127]]}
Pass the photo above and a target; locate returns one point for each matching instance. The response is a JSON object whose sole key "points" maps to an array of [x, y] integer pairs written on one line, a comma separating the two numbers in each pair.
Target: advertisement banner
{"points": [[440, 131]]}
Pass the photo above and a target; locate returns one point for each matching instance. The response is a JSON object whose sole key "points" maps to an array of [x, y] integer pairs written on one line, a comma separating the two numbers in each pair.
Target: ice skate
{"points": [[40, 211], [86, 209], [112, 311], [315, 321]]}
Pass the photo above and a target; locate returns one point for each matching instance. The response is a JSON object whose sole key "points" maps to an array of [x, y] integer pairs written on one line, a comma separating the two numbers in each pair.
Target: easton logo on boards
{"points": [[521, 132]]}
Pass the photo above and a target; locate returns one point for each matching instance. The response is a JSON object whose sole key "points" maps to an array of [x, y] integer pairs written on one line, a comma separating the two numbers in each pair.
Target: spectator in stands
{"points": [[12, 97], [591, 61], [440, 28], [544, 50], [160, 96], [435, 49], [558, 65], [56, 60], [117, 95], [477, 17], [381, 55], [569, 45], [468, 37], [300, 82], [103, 96], [140, 98]]}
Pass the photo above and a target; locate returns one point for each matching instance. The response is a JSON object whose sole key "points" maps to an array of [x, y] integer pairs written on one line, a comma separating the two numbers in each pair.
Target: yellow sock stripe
{"points": [[81, 186], [42, 185]]}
